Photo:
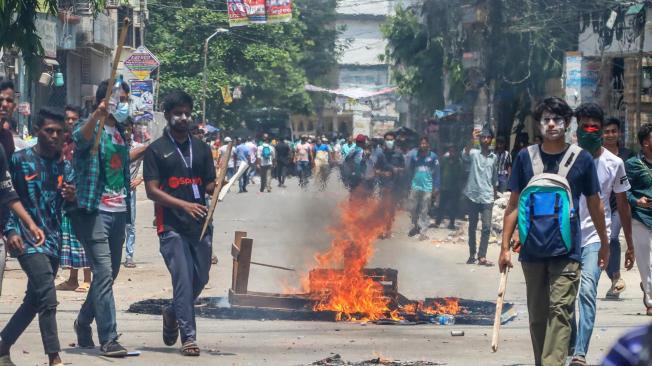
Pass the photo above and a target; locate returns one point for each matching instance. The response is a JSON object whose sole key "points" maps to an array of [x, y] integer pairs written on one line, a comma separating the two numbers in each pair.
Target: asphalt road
{"points": [[288, 227]]}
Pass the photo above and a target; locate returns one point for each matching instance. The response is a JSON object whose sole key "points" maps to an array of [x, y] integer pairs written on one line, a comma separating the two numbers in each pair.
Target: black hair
{"points": [[7, 84], [424, 138], [644, 132], [103, 86], [54, 114], [389, 133], [487, 130], [501, 140], [73, 108], [590, 110], [612, 121], [177, 98], [554, 105]]}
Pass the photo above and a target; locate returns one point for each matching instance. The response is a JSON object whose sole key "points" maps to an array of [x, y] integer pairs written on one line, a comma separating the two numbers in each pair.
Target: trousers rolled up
{"points": [[483, 210], [189, 262], [102, 235], [40, 298]]}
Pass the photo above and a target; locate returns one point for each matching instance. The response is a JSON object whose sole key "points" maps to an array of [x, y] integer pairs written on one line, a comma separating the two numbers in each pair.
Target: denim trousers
{"points": [[614, 246], [244, 180], [303, 170], [131, 228], [189, 262], [590, 275], [40, 298], [102, 235], [483, 210], [419, 206]]}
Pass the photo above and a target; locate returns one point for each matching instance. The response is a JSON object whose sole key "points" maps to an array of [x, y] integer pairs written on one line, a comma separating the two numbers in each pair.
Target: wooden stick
{"points": [[499, 309], [224, 164], [114, 70]]}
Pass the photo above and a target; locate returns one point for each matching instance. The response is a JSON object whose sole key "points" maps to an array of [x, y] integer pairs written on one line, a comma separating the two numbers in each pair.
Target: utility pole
{"points": [[203, 98], [141, 19]]}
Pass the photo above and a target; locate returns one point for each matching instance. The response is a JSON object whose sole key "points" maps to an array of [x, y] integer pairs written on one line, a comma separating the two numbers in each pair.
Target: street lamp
{"points": [[203, 101]]}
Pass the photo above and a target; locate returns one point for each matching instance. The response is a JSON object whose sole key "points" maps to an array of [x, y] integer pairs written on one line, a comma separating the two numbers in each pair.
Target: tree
{"points": [[18, 29], [271, 63]]}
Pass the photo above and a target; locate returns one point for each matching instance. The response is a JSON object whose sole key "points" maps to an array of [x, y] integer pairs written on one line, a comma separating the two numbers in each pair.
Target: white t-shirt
{"points": [[222, 150], [272, 155], [612, 178]]}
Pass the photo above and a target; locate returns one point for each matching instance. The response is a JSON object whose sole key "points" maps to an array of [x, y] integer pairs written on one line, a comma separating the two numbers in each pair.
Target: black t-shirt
{"points": [[387, 161], [163, 163], [282, 152], [582, 178], [7, 192]]}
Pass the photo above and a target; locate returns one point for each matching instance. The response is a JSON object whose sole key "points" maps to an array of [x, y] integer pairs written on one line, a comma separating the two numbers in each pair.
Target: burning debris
{"points": [[336, 360]]}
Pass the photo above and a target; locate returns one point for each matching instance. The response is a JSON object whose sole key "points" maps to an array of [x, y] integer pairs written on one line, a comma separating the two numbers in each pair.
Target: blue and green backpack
{"points": [[545, 208]]}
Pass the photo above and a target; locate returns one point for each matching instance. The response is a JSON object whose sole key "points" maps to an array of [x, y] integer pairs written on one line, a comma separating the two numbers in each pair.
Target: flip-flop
{"points": [[485, 262], [65, 286], [190, 348], [619, 286], [170, 330], [83, 287]]}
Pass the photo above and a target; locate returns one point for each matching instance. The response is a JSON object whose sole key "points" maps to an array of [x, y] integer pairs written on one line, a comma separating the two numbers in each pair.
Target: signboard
{"points": [[141, 63], [245, 12], [142, 107], [47, 30], [582, 77], [278, 11]]}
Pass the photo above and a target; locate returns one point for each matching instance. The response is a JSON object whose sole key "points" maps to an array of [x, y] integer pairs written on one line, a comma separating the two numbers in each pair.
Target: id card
{"points": [[195, 191]]}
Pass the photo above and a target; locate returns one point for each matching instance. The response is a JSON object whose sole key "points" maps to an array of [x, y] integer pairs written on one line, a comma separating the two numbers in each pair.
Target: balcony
{"points": [[97, 32]]}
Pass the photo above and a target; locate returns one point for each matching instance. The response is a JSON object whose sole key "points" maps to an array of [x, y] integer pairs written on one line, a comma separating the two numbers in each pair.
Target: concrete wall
{"points": [[589, 41]]}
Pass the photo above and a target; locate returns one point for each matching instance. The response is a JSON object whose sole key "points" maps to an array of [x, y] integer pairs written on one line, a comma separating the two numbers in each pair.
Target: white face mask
{"points": [[389, 144]]}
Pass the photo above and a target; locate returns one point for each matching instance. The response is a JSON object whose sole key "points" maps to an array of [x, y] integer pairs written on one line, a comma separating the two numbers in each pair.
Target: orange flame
{"points": [[339, 283]]}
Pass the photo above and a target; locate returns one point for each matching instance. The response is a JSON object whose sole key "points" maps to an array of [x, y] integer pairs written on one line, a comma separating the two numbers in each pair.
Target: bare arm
{"points": [[137, 153], [596, 210], [625, 214], [509, 225]]}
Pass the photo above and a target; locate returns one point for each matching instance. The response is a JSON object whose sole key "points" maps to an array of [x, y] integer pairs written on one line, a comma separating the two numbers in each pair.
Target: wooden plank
{"points": [[218, 187], [244, 259], [236, 246], [272, 301]]}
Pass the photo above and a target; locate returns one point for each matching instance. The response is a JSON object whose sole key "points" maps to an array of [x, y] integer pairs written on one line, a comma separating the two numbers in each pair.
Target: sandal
{"points": [[578, 361], [618, 286], [83, 287], [170, 329], [190, 348], [485, 262], [66, 286]]}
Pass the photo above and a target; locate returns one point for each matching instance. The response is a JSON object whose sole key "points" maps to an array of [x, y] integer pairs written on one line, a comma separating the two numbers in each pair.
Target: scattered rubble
{"points": [[336, 360]]}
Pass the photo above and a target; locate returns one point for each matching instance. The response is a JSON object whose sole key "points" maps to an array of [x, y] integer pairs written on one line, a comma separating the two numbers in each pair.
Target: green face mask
{"points": [[589, 141]]}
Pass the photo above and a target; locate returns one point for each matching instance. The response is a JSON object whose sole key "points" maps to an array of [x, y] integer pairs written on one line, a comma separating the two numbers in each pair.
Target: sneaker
{"points": [[113, 349], [471, 260], [129, 263], [84, 335]]}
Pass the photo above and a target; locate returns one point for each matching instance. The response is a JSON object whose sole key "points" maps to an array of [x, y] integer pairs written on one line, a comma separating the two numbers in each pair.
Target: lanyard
{"points": [[189, 167]]}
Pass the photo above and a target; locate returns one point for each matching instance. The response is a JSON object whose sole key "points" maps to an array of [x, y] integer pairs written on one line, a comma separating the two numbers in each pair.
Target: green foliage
{"points": [[271, 63], [17, 26]]}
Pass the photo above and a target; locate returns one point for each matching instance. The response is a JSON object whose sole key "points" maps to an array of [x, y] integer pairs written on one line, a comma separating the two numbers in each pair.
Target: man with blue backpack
{"points": [[613, 181], [266, 161], [547, 182]]}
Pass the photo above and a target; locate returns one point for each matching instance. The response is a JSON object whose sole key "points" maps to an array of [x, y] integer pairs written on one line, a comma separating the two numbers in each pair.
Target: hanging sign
{"points": [[141, 63]]}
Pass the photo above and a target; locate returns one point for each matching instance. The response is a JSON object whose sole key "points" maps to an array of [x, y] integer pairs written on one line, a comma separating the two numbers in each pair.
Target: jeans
{"points": [[484, 210], [40, 298], [189, 263], [551, 288], [131, 228], [230, 172], [266, 178], [589, 277], [642, 238], [419, 205], [303, 168], [613, 266], [244, 180], [3, 260], [102, 235], [502, 183]]}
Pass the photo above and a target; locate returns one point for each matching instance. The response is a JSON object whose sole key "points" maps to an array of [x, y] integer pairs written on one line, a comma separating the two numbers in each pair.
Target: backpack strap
{"points": [[535, 158], [568, 160]]}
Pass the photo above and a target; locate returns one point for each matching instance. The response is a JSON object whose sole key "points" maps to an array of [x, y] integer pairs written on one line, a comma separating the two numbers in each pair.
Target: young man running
{"points": [[42, 182], [179, 172]]}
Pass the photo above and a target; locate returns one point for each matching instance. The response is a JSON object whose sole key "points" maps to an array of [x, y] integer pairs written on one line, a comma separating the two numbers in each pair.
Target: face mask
{"points": [[389, 144], [590, 139], [121, 112]]}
